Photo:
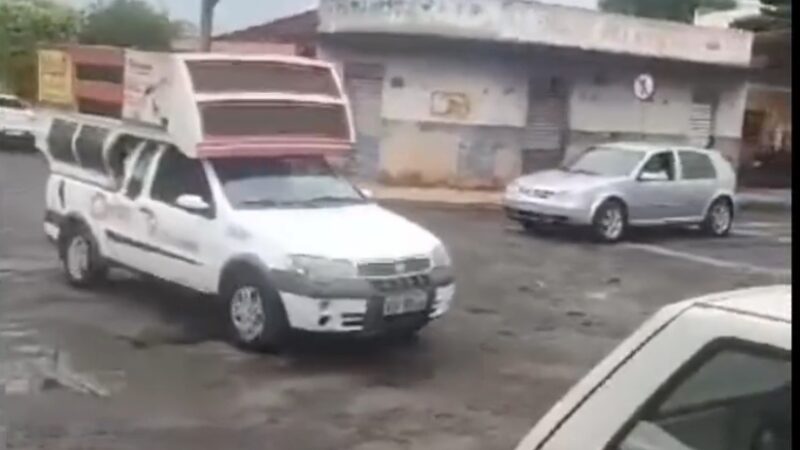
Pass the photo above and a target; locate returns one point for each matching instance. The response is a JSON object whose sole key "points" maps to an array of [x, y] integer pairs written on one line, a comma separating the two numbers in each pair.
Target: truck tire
{"points": [[256, 317], [80, 257]]}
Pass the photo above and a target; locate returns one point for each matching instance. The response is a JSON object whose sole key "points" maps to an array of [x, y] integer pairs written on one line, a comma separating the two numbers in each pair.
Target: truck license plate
{"points": [[405, 302]]}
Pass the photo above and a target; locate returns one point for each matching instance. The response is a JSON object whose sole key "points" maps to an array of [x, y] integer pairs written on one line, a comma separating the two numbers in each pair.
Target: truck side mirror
{"points": [[191, 202]]}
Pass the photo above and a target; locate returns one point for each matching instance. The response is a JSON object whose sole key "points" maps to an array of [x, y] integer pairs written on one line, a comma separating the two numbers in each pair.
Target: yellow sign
{"points": [[55, 78]]}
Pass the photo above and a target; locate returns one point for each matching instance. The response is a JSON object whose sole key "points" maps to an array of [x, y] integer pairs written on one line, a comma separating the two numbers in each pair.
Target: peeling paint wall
{"points": [[455, 90]]}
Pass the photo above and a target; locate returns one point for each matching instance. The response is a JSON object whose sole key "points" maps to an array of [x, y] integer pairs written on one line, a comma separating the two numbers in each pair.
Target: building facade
{"points": [[473, 93]]}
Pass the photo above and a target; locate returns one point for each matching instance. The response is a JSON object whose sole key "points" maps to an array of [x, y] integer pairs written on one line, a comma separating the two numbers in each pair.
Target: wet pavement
{"points": [[135, 364]]}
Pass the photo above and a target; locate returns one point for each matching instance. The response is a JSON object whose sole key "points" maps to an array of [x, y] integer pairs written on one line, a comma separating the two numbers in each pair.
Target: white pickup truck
{"points": [[266, 225]]}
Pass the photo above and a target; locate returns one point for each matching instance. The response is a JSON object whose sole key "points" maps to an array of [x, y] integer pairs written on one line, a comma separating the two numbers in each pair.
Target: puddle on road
{"points": [[28, 367]]}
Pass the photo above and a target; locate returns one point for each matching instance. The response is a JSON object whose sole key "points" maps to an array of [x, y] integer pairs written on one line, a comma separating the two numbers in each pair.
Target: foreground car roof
{"points": [[773, 302]]}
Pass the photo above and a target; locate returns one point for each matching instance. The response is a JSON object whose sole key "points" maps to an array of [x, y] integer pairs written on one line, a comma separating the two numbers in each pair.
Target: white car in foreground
{"points": [[712, 373], [17, 124]]}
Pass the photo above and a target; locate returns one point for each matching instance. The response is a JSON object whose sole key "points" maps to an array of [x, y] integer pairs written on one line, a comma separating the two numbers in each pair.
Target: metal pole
{"points": [[206, 23]]}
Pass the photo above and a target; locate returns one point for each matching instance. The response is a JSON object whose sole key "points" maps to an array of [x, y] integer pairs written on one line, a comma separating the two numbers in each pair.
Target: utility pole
{"points": [[206, 23]]}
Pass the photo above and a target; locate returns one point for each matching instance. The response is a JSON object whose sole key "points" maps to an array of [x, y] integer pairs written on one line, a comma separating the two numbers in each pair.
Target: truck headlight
{"points": [[440, 257], [317, 268]]}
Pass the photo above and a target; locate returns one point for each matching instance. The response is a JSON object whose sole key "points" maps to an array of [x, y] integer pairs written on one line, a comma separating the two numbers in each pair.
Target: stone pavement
{"points": [[747, 199]]}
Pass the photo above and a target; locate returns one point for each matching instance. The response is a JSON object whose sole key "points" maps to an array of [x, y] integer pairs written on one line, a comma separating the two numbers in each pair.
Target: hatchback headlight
{"points": [[317, 268], [440, 257]]}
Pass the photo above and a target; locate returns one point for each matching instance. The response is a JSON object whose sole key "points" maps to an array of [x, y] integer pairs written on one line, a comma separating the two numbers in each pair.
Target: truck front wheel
{"points": [[256, 316]]}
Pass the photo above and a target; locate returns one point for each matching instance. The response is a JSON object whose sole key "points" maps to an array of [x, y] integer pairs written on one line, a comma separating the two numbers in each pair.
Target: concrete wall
{"points": [[475, 139], [530, 22]]}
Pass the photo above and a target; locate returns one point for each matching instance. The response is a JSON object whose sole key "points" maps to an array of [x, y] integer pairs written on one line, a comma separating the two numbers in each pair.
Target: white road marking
{"points": [[663, 251], [763, 224]]}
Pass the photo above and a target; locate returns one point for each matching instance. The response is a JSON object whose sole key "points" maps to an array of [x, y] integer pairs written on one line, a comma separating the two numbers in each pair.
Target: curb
{"points": [[746, 204]]}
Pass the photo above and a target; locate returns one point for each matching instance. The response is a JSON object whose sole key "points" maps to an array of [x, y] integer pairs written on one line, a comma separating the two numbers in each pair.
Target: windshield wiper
{"points": [[266, 202], [583, 171], [333, 199]]}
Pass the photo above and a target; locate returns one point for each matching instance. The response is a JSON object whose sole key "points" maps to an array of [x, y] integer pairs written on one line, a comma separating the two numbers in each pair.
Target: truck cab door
{"points": [[183, 216]]}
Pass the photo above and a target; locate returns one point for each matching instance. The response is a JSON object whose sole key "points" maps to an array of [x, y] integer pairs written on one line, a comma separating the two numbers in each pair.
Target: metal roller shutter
{"points": [[364, 86], [543, 137], [701, 123]]}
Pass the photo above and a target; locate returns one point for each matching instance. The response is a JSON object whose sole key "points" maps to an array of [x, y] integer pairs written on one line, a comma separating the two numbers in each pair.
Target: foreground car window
{"points": [[252, 183], [607, 161], [733, 397]]}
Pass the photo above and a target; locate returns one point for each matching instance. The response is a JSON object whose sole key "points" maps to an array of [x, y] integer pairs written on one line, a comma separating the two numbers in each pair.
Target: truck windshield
{"points": [[257, 183]]}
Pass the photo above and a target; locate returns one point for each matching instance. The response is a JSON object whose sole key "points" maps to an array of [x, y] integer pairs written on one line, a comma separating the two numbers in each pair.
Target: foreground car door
{"points": [[691, 386]]}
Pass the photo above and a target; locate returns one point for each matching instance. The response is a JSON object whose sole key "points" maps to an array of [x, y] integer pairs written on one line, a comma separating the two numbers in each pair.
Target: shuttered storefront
{"points": [[543, 138], [364, 86], [701, 119]]}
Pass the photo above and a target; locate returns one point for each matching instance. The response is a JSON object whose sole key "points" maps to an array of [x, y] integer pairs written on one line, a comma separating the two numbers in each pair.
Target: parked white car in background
{"points": [[18, 125], [613, 186], [712, 373]]}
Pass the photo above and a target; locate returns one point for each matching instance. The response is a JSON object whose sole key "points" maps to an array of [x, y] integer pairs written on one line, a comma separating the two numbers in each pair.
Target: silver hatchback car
{"points": [[613, 186]]}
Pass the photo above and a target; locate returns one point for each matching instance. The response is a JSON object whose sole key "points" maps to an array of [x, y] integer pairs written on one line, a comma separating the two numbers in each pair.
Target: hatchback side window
{"points": [[731, 396], [696, 166], [178, 175], [660, 167], [140, 169]]}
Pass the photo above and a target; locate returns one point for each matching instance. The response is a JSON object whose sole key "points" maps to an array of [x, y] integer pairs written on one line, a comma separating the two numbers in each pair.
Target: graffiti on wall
{"points": [[451, 105]]}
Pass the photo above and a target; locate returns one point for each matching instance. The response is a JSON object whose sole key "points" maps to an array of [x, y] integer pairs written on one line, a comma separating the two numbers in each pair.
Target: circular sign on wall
{"points": [[644, 87]]}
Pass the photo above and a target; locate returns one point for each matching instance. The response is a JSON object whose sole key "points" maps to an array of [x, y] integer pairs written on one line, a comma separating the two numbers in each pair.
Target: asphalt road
{"points": [[138, 365]]}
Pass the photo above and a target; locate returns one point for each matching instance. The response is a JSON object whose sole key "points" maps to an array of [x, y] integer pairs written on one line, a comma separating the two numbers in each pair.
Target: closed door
{"points": [[127, 219], [543, 137], [183, 253], [655, 196], [701, 119], [364, 84], [698, 183]]}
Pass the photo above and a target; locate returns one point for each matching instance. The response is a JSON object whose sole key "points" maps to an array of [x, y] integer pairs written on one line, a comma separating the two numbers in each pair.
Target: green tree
{"points": [[127, 23], [674, 10], [24, 25], [775, 15]]}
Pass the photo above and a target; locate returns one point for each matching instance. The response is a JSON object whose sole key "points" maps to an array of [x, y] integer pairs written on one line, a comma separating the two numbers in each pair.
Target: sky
{"points": [[235, 14]]}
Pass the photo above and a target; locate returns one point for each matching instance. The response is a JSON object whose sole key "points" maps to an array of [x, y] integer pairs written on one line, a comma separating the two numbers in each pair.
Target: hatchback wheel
{"points": [[719, 218], [256, 316], [610, 221]]}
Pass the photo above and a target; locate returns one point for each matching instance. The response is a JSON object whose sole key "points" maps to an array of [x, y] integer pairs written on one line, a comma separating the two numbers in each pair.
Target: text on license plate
{"points": [[405, 302]]}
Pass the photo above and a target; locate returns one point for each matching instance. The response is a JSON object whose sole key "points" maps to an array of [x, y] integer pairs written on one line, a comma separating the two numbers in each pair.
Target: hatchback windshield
{"points": [[254, 183], [607, 161]]}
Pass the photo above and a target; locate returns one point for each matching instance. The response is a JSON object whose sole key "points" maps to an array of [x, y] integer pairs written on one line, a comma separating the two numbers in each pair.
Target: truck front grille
{"points": [[393, 268], [402, 283]]}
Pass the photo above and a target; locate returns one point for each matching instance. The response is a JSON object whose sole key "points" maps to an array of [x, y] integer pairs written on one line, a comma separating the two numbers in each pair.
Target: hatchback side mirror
{"points": [[192, 202]]}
